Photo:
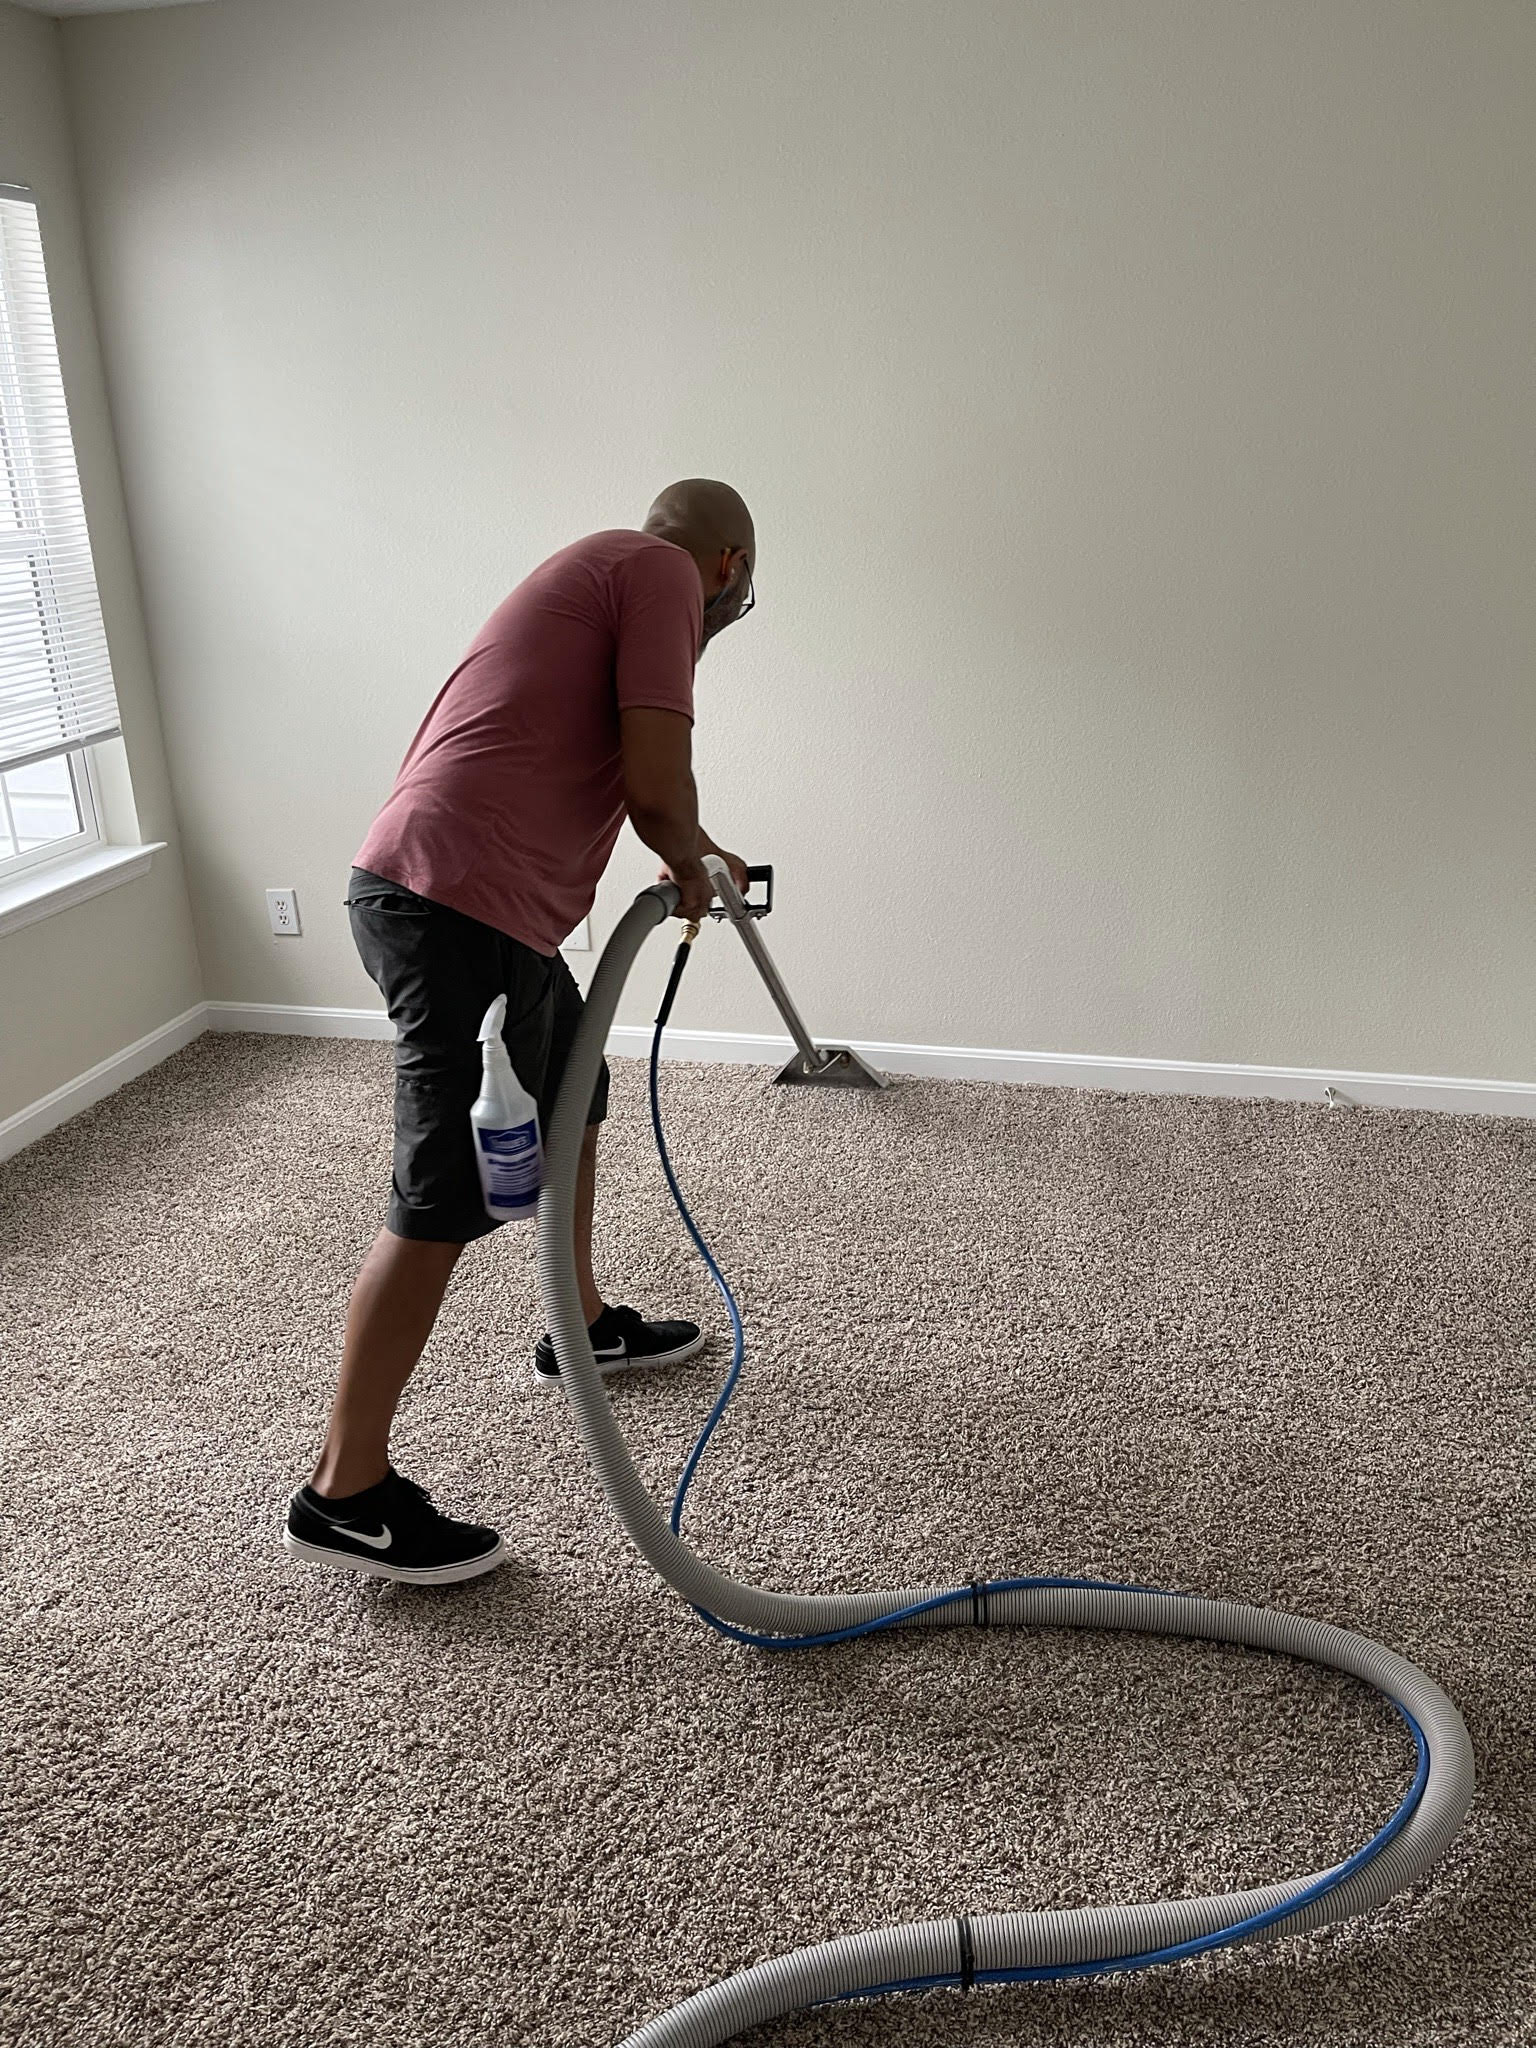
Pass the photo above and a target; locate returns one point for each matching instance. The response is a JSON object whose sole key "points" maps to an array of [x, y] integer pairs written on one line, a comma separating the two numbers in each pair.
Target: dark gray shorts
{"points": [[439, 972]]}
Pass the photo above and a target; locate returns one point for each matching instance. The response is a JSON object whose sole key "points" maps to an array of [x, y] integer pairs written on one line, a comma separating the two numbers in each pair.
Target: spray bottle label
{"points": [[510, 1166]]}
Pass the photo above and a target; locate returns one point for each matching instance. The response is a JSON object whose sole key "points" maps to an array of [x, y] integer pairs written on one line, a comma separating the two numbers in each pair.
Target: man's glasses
{"points": [[721, 611]]}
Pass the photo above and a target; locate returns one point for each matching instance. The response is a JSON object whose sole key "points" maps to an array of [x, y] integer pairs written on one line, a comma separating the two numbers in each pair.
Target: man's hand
{"points": [[733, 861], [696, 891]]}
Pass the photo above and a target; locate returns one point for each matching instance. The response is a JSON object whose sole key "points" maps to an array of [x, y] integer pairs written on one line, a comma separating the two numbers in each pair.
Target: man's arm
{"points": [[662, 801]]}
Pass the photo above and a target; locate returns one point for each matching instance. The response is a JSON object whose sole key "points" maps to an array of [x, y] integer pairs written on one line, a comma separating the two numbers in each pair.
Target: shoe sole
{"points": [[608, 1367], [406, 1575]]}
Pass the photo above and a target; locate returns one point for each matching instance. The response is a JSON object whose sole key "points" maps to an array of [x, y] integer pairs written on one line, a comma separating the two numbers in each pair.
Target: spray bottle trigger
{"points": [[494, 1018]]}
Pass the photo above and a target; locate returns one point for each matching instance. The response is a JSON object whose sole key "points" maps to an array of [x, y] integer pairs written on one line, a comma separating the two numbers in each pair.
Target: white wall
{"points": [[1135, 400], [79, 986]]}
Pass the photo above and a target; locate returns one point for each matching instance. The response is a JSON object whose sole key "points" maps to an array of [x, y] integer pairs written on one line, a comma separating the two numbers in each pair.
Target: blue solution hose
{"points": [[1223, 1937]]}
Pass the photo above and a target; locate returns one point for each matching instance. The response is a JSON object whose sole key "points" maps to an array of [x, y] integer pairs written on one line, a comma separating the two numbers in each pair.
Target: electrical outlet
{"points": [[580, 940], [283, 913]]}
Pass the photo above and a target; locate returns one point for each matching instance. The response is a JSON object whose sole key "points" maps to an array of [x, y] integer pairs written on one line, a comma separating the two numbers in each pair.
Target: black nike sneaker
{"points": [[623, 1341], [390, 1531]]}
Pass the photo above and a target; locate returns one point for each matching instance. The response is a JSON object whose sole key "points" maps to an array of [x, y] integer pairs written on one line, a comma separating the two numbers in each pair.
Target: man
{"points": [[573, 707]]}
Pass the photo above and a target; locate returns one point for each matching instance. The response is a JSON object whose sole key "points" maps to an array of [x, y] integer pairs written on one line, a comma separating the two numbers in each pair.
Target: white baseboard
{"points": [[743, 1048], [1126, 1075], [105, 1078], [299, 1020], [726, 1048]]}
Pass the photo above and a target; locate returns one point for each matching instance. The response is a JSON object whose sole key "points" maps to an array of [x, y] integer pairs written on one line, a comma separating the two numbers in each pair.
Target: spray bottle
{"points": [[505, 1123]]}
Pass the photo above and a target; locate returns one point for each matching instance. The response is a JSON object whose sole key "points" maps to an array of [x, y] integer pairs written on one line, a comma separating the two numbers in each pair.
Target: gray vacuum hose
{"points": [[992, 1942]]}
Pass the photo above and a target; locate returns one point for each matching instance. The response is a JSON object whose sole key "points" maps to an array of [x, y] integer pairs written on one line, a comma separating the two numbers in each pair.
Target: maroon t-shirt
{"points": [[512, 794]]}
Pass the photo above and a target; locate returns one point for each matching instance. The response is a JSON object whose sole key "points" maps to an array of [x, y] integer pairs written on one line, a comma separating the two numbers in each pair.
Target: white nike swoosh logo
{"points": [[373, 1542], [612, 1351]]}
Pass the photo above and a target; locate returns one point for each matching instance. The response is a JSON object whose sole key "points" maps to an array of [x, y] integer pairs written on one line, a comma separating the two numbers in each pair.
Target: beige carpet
{"points": [[1243, 1348]]}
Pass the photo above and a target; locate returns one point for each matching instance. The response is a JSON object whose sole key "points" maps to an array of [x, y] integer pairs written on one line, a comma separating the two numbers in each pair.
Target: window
{"points": [[46, 810], [57, 697]]}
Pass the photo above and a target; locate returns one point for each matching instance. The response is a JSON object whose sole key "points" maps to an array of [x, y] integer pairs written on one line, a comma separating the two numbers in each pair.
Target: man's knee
{"points": [[416, 1254]]}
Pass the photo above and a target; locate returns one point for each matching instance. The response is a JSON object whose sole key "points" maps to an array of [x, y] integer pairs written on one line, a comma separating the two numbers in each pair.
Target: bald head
{"points": [[713, 524], [704, 517]]}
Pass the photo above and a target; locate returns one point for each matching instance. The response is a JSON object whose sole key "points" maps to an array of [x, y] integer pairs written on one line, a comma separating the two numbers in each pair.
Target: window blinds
{"points": [[56, 689]]}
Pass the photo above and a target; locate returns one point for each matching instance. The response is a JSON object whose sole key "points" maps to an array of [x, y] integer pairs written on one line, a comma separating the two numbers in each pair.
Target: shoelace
{"points": [[420, 1499]]}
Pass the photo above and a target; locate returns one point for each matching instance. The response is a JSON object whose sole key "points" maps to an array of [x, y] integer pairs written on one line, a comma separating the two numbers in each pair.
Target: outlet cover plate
{"points": [[283, 913]]}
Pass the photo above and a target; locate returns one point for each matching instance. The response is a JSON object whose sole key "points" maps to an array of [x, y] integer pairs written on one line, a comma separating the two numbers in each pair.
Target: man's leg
{"points": [[436, 970], [394, 1304], [357, 1513], [620, 1336]]}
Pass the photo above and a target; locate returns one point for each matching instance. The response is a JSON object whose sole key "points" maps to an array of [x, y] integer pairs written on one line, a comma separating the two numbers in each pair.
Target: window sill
{"points": [[41, 892]]}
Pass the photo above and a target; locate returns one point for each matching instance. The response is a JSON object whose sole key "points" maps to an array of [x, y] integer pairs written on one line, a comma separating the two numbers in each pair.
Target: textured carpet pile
{"points": [[1274, 1352]]}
